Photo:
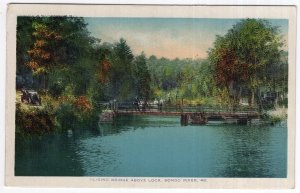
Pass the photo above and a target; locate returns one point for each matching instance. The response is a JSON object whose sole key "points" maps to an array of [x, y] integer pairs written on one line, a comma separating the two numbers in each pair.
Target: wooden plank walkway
{"points": [[195, 114], [236, 115]]}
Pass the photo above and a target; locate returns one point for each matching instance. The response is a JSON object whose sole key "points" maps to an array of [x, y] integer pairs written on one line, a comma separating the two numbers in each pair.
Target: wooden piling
{"points": [[184, 119], [242, 121]]}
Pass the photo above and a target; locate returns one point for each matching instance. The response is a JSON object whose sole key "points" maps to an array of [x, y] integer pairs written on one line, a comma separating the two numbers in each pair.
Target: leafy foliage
{"points": [[35, 121], [83, 104], [121, 71], [58, 56], [142, 77], [243, 56]]}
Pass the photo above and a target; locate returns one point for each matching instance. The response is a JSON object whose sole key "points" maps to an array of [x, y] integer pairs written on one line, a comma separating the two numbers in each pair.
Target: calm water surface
{"points": [[157, 147]]}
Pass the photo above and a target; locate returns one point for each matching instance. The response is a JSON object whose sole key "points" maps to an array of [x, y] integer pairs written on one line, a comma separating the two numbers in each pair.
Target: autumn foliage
{"points": [[37, 121], [245, 53], [229, 69], [80, 103], [83, 104], [105, 68], [42, 53]]}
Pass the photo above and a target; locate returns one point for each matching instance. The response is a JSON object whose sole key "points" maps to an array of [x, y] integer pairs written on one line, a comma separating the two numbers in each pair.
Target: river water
{"points": [[145, 146]]}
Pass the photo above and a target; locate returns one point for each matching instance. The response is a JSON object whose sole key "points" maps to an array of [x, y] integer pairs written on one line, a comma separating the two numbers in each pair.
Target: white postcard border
{"points": [[280, 12]]}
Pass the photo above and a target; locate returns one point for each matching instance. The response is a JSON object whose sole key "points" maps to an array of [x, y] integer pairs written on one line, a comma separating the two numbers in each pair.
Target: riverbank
{"points": [[276, 115], [75, 112], [54, 114]]}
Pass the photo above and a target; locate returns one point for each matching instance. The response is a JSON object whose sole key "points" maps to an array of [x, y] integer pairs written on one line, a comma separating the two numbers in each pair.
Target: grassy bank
{"points": [[276, 115], [55, 114]]}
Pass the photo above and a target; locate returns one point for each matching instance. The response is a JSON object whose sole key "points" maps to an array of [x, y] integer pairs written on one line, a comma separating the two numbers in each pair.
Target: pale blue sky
{"points": [[167, 37]]}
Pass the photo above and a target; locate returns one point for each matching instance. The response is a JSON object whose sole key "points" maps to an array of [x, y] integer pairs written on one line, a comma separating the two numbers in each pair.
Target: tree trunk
{"points": [[252, 98], [46, 81]]}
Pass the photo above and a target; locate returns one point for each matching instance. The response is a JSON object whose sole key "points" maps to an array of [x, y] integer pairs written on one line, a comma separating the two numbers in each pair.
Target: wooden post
{"points": [[184, 119], [176, 102]]}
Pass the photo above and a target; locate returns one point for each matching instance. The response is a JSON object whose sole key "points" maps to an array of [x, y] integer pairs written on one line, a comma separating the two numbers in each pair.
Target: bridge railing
{"points": [[130, 106]]}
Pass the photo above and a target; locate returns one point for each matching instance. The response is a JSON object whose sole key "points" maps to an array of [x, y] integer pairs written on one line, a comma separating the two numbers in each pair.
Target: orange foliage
{"points": [[33, 65], [83, 104], [229, 68], [36, 122], [39, 43], [43, 50], [39, 53]]}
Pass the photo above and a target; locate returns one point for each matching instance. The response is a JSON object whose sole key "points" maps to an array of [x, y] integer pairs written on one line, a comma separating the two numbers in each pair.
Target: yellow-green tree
{"points": [[241, 57]]}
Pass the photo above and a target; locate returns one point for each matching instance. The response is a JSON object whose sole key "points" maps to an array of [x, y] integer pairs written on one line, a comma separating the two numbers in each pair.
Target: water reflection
{"points": [[126, 123], [157, 146], [250, 151], [51, 155]]}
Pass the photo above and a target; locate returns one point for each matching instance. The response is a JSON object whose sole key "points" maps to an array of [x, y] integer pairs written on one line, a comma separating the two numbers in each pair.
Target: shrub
{"points": [[56, 89], [83, 104], [34, 121], [65, 116]]}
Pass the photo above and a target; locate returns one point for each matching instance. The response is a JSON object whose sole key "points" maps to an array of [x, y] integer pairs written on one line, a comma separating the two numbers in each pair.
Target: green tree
{"points": [[142, 77], [43, 55], [240, 56], [56, 43], [24, 42], [121, 60]]}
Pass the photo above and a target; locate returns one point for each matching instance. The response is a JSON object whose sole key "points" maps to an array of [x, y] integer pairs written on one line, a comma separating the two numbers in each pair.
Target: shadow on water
{"points": [[50, 155], [128, 122], [119, 125], [57, 154], [253, 151]]}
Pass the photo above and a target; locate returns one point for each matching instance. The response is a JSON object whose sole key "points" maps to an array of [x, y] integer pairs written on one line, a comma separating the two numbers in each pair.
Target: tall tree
{"points": [[240, 56], [142, 77], [60, 43], [43, 52], [121, 71], [24, 42]]}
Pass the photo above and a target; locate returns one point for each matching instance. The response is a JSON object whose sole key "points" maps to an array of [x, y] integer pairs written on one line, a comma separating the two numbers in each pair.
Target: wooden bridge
{"points": [[189, 114]]}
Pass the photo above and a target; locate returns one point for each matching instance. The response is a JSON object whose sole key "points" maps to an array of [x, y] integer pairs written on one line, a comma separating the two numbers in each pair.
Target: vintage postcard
{"points": [[150, 96]]}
